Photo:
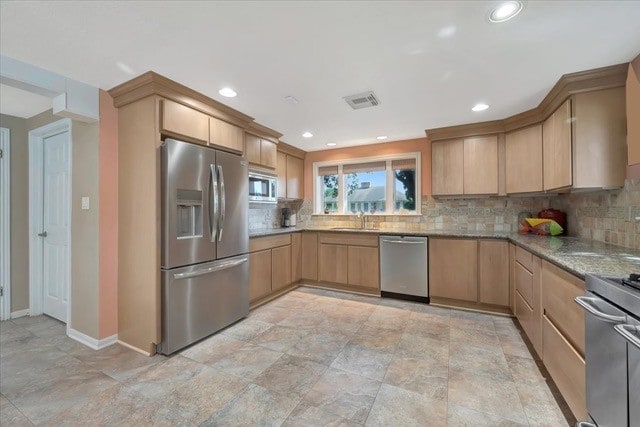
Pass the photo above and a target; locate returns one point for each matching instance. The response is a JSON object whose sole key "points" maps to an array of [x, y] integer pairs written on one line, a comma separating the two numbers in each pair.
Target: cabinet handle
{"points": [[626, 331], [587, 304]]}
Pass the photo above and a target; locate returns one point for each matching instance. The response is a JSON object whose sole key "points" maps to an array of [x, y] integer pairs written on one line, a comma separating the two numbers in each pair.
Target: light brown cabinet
{"points": [[447, 167], [225, 135], [556, 148], [523, 162], [349, 259], [309, 256], [296, 257], [453, 269], [528, 305], [493, 272], [480, 165], [259, 151], [270, 265], [181, 121], [290, 171]]}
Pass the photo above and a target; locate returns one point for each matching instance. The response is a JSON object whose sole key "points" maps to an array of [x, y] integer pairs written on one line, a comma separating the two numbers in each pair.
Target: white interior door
{"points": [[55, 221]]}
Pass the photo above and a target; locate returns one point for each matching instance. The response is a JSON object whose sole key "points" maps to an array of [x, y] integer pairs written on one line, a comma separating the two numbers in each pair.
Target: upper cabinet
{"points": [[466, 166], [524, 160], [290, 171], [556, 148], [259, 151], [225, 135], [181, 121]]}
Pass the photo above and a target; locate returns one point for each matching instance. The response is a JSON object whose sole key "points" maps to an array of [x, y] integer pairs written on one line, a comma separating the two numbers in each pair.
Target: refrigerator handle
{"points": [[222, 266], [213, 199], [222, 204]]}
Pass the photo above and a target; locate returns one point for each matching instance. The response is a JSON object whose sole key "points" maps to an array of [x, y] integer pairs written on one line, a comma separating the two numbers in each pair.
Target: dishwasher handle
{"points": [[404, 242], [629, 333], [588, 304]]}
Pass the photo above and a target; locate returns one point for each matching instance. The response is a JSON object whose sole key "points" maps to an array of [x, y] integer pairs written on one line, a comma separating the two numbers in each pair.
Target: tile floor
{"points": [[311, 357]]}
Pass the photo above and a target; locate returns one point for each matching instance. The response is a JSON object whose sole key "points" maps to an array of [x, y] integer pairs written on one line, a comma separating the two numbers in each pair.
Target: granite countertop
{"points": [[576, 255]]}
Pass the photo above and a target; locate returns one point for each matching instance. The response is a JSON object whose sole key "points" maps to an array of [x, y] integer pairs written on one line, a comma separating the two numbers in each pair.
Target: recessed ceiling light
{"points": [[505, 11], [381, 137], [227, 92], [479, 107], [307, 134], [331, 144]]}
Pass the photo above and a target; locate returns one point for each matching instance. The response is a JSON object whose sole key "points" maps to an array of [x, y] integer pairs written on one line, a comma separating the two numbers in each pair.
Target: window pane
{"points": [[366, 191], [405, 186], [329, 193]]}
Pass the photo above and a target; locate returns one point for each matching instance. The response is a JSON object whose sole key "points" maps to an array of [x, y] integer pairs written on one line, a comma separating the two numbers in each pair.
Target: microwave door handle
{"points": [[588, 304], [627, 331], [213, 203], [223, 203]]}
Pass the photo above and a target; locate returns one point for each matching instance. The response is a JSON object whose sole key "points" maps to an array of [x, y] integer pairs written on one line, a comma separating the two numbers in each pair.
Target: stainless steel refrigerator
{"points": [[205, 240]]}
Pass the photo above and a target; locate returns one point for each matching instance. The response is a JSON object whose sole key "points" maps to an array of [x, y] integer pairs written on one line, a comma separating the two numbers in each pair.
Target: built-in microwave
{"points": [[263, 187]]}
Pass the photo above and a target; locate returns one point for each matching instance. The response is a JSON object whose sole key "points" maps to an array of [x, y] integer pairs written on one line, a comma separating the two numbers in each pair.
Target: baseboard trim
{"points": [[20, 313], [90, 341]]}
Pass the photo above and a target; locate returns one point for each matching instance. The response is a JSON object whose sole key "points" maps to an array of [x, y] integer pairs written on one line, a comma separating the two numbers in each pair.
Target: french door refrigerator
{"points": [[205, 240]]}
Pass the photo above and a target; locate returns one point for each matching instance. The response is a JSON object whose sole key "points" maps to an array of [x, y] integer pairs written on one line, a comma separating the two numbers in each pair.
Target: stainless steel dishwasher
{"points": [[404, 267]]}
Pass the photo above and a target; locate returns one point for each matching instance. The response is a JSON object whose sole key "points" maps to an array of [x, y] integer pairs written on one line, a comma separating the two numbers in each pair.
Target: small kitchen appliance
{"points": [[286, 217]]}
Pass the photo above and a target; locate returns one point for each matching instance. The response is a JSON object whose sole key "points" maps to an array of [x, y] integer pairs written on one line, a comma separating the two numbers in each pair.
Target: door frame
{"points": [[5, 223], [36, 209]]}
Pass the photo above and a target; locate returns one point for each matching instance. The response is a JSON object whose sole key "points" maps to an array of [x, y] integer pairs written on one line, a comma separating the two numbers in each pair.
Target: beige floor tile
{"points": [[417, 347], [270, 314], [514, 345], [427, 377], [117, 361], [363, 361], [525, 370], [310, 416], [306, 320], [279, 338], [254, 406], [290, 375], [539, 405], [344, 394], [495, 397], [382, 340], [395, 406], [479, 361], [322, 347], [212, 349], [459, 416], [10, 415], [246, 329], [475, 338], [291, 301], [248, 361], [428, 328]]}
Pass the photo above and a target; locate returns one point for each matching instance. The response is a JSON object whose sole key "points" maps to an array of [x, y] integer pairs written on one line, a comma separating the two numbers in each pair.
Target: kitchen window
{"points": [[385, 185]]}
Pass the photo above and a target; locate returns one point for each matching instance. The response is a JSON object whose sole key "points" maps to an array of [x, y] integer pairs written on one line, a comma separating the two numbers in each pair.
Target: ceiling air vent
{"points": [[362, 100]]}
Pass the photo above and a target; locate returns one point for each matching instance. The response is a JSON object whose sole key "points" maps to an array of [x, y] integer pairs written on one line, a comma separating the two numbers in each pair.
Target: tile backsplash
{"points": [[607, 216], [265, 215]]}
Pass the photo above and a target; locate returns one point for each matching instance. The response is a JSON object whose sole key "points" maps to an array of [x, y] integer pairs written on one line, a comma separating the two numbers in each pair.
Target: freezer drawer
{"points": [[199, 300], [404, 266]]}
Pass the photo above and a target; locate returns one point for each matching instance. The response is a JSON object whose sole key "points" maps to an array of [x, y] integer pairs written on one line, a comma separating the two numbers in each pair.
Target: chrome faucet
{"points": [[363, 219]]}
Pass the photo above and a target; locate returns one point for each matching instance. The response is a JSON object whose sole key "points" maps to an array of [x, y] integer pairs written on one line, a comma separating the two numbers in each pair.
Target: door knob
{"points": [[43, 234]]}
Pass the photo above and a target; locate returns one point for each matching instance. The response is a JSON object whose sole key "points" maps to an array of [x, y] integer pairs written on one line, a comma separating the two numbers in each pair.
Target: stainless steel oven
{"points": [[263, 187], [612, 352]]}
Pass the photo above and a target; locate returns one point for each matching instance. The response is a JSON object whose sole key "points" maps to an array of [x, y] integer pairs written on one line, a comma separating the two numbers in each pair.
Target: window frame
{"points": [[389, 190]]}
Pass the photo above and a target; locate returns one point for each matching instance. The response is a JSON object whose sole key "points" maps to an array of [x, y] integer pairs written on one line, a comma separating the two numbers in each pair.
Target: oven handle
{"points": [[587, 304], [625, 331]]}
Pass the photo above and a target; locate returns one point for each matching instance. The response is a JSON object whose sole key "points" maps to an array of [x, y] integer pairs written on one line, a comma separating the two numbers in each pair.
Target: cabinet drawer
{"points": [[566, 366], [559, 290], [524, 283], [268, 242], [527, 318], [352, 239], [525, 258], [180, 120]]}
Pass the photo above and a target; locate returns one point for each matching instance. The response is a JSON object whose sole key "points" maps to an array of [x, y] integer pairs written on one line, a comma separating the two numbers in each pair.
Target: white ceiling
{"points": [[428, 62], [20, 103]]}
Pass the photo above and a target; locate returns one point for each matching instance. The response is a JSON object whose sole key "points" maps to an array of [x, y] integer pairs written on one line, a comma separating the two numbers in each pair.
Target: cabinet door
{"points": [[252, 148], [268, 154], [281, 171], [280, 267], [447, 167], [296, 257], [363, 269], [259, 274], [180, 120], [480, 161], [223, 134], [295, 177], [453, 269], [524, 160], [310, 256], [332, 263], [528, 306], [493, 272], [556, 148]]}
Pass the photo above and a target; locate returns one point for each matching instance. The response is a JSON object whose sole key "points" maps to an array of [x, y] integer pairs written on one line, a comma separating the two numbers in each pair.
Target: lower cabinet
{"points": [[527, 296], [271, 261], [350, 260], [296, 257], [309, 267], [470, 270]]}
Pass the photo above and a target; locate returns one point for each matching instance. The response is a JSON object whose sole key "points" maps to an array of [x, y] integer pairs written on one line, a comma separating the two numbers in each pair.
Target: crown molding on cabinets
{"points": [[569, 84], [291, 150], [263, 132]]}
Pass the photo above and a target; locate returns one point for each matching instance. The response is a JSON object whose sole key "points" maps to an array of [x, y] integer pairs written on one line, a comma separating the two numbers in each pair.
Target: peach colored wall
{"points": [[633, 118], [108, 218], [422, 145]]}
